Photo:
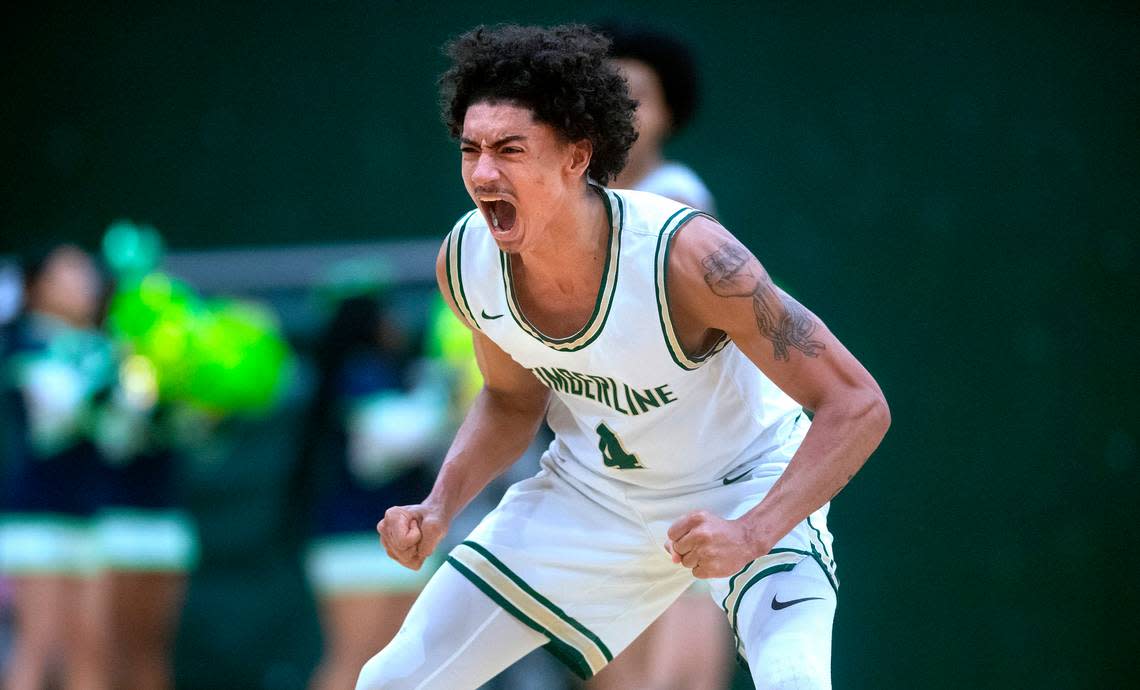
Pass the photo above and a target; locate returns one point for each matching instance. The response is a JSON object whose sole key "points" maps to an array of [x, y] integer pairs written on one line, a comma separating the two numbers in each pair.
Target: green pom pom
{"points": [[157, 317], [131, 250], [241, 360], [224, 356]]}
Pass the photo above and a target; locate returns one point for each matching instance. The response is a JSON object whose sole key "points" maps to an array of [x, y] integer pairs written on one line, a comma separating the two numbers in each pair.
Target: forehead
{"points": [[70, 262], [493, 121], [643, 80]]}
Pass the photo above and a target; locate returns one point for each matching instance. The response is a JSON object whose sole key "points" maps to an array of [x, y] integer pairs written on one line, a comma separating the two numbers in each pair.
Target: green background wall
{"points": [[957, 193]]}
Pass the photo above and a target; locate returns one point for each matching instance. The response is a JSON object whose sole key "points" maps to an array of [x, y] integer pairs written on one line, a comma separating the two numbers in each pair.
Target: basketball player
{"points": [[673, 373]]}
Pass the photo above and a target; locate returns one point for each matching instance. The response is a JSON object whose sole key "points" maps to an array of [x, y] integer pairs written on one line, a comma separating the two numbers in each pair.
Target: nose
{"points": [[485, 170]]}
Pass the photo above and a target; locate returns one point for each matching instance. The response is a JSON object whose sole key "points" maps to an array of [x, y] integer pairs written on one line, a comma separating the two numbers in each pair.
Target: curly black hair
{"points": [[664, 53], [560, 73]]}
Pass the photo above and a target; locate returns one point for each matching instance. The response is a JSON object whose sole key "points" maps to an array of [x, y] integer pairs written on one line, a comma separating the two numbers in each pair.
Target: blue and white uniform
{"points": [[372, 456], [50, 482], [142, 525]]}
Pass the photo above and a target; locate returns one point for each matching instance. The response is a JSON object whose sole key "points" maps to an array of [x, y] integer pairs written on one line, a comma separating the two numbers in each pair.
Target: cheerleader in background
{"points": [[147, 544], [54, 368], [370, 443]]}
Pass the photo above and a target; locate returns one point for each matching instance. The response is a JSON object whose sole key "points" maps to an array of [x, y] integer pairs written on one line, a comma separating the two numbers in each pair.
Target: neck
{"points": [[580, 237], [637, 169], [58, 318]]}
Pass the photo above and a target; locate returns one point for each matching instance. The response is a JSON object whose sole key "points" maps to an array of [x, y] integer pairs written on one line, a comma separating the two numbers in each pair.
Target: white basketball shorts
{"points": [[586, 566]]}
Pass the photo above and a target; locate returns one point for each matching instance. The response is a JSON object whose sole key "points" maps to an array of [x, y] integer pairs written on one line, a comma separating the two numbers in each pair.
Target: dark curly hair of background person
{"points": [[669, 58], [559, 73]]}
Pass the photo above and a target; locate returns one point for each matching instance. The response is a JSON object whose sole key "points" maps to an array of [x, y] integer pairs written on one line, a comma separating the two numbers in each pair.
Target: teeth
{"points": [[495, 220]]}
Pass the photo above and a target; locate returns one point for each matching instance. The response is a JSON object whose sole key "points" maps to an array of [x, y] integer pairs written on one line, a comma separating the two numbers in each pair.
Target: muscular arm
{"points": [[716, 284], [732, 271], [498, 428]]}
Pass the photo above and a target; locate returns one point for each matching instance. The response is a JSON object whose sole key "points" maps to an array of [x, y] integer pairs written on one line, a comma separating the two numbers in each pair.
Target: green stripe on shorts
{"points": [[779, 561], [570, 641]]}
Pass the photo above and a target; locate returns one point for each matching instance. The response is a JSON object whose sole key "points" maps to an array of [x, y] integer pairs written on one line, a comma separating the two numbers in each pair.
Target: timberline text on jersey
{"points": [[605, 390]]}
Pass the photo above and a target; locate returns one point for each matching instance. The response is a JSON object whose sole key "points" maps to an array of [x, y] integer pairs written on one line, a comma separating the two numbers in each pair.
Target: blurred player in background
{"points": [[368, 444], [690, 645], [674, 374], [663, 79], [56, 365]]}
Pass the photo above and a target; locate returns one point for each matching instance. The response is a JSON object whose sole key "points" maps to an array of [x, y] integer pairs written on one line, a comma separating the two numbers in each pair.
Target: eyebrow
{"points": [[495, 144]]}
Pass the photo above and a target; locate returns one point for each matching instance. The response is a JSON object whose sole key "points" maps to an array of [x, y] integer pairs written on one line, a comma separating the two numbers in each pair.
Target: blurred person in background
{"points": [[195, 379], [55, 365], [145, 541], [690, 645], [369, 439], [11, 298], [662, 76]]}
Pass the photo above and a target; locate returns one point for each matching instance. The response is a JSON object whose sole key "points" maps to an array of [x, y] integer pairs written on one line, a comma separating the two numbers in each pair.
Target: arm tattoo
{"points": [[780, 318]]}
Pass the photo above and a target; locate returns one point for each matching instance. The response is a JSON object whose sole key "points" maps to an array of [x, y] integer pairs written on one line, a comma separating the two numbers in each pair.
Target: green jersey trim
{"points": [[570, 641], [454, 260], [661, 277], [823, 554], [561, 651], [778, 561], [604, 303], [825, 564]]}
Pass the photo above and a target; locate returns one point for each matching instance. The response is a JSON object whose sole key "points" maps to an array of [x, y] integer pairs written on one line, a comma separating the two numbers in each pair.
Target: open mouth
{"points": [[500, 215]]}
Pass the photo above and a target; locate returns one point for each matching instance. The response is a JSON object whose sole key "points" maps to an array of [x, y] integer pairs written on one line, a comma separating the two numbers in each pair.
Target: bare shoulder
{"points": [[721, 285], [441, 267], [706, 264], [707, 257]]}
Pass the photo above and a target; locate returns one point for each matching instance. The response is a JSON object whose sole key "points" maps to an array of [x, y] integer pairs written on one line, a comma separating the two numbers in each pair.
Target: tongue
{"points": [[505, 212]]}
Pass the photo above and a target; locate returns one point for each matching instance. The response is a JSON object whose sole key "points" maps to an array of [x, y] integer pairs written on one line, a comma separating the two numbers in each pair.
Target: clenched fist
{"points": [[410, 533], [711, 546]]}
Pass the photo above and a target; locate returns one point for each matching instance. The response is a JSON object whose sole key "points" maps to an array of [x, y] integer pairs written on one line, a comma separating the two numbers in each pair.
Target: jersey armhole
{"points": [[454, 267], [661, 277]]}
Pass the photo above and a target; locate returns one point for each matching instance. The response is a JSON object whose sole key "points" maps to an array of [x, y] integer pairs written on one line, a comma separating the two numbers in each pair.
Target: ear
{"points": [[581, 152]]}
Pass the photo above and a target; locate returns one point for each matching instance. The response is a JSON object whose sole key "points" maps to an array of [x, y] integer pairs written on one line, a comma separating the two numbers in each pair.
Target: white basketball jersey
{"points": [[628, 404]]}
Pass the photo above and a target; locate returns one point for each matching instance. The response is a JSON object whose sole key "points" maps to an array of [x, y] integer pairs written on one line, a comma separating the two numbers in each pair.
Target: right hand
{"points": [[410, 533]]}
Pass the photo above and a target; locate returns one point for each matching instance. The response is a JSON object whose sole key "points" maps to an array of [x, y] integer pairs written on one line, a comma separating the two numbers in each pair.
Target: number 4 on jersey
{"points": [[613, 454]]}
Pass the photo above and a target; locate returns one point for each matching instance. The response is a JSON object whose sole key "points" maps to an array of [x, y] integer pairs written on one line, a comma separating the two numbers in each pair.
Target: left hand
{"points": [[710, 545]]}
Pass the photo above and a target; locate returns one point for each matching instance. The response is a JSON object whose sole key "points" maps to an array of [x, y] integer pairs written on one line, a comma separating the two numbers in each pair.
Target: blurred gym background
{"points": [[955, 191]]}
